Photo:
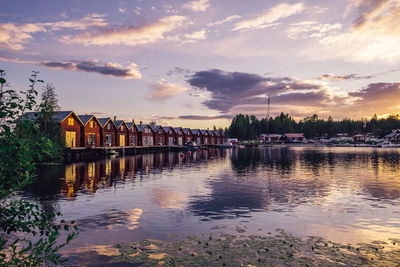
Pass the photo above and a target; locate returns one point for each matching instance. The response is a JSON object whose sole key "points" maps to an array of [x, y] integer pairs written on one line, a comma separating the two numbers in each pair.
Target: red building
{"points": [[159, 136], [213, 138], [170, 135], [223, 137], [197, 136], [217, 137], [145, 135], [71, 128], [107, 132], [90, 131], [122, 133], [206, 137], [188, 135], [133, 130], [180, 136], [293, 137], [359, 138]]}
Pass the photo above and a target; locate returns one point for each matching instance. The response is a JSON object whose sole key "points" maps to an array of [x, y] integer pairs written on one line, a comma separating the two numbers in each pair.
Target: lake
{"points": [[347, 195]]}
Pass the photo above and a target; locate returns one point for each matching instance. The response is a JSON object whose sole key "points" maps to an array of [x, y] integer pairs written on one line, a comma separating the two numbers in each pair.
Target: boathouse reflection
{"points": [[90, 176]]}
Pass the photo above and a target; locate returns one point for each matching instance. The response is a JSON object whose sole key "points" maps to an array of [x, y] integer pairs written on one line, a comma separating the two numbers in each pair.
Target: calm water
{"points": [[348, 195]]}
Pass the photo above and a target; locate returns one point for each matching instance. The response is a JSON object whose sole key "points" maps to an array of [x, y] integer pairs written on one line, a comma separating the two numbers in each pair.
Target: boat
{"points": [[113, 152], [227, 144], [389, 145]]}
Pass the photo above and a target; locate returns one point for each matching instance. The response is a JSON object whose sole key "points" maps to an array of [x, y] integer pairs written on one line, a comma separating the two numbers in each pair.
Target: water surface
{"points": [[347, 195]]}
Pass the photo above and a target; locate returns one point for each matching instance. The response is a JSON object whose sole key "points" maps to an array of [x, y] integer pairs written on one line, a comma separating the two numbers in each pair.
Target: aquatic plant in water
{"points": [[280, 249]]}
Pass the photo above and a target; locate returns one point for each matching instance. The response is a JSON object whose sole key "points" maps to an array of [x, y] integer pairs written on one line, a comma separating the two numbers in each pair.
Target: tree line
{"points": [[249, 127]]}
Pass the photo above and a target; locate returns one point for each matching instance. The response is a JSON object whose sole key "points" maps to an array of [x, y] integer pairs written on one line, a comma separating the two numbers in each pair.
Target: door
{"points": [[170, 141], [70, 139], [198, 141], [122, 140], [180, 140]]}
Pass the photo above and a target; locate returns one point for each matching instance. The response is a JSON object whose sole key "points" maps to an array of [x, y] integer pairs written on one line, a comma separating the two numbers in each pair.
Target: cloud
{"points": [[13, 36], [163, 90], [343, 77], [226, 20], [197, 117], [311, 29], [200, 5], [90, 21], [374, 35], [122, 10], [231, 89], [179, 71], [103, 68], [378, 96], [334, 77], [132, 35], [195, 36], [269, 17]]}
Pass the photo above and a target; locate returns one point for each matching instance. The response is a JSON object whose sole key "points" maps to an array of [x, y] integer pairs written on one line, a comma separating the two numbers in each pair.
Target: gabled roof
{"points": [[58, 116], [186, 130], [104, 121], [119, 122], [176, 129], [195, 131], [157, 127], [294, 135], [130, 125], [142, 126], [85, 118], [204, 131], [166, 129]]}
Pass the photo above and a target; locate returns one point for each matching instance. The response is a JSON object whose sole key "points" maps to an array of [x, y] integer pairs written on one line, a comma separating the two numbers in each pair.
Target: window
{"points": [[92, 139], [71, 121], [108, 139], [122, 127], [91, 124], [108, 126]]}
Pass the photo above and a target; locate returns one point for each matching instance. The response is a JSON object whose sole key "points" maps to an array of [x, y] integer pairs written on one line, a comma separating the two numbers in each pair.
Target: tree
{"points": [[22, 146]]}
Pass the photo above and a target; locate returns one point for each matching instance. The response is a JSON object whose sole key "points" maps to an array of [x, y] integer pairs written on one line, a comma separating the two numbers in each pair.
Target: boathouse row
{"points": [[91, 131]]}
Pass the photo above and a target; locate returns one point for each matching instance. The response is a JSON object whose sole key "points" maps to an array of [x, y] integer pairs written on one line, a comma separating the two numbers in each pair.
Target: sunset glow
{"points": [[198, 63]]}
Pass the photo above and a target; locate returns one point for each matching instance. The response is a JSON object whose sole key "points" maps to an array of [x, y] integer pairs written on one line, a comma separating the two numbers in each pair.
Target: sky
{"points": [[198, 63]]}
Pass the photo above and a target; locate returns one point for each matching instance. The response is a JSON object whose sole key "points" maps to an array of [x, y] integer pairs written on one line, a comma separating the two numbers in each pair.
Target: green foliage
{"points": [[23, 144], [245, 127]]}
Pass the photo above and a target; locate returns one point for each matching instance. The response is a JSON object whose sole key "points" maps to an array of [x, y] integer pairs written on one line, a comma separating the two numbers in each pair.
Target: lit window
{"points": [[108, 126], [91, 124], [71, 121], [122, 127]]}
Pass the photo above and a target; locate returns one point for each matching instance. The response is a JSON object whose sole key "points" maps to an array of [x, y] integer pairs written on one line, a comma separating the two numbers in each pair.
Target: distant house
{"points": [[206, 137], [159, 135], [122, 133], [170, 135], [107, 132], [91, 131], [145, 135], [197, 136], [359, 138], [223, 137], [70, 126], [270, 138], [394, 136], [180, 137], [213, 138], [132, 129], [292, 137], [188, 134], [217, 137]]}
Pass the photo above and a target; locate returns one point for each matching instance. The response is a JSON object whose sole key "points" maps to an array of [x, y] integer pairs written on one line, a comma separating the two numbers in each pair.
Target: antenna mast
{"points": [[268, 108]]}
